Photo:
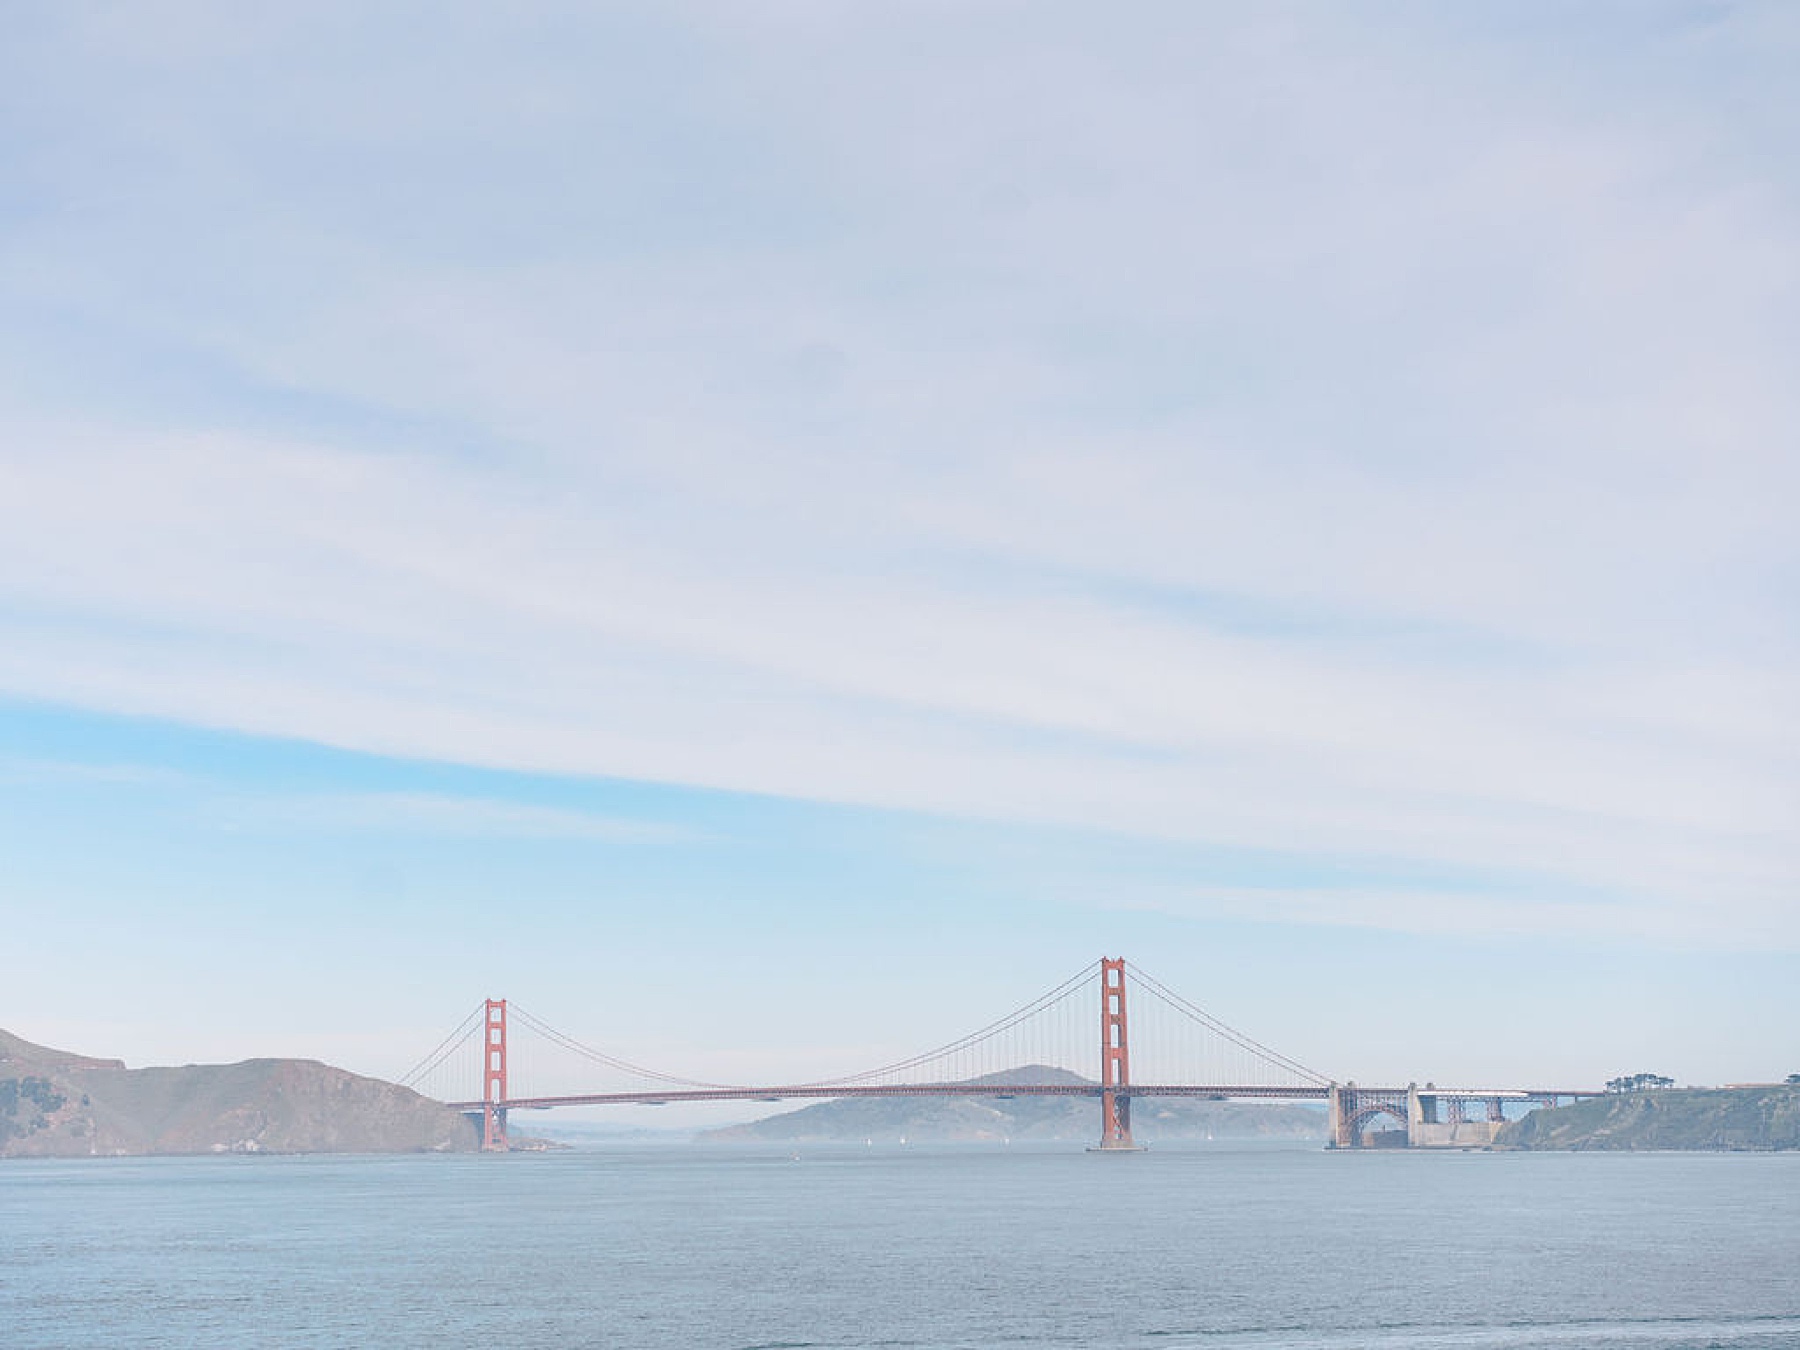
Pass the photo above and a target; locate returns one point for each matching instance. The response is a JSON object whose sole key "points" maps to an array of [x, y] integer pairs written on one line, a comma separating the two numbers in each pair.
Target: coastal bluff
{"points": [[56, 1104], [1728, 1119]]}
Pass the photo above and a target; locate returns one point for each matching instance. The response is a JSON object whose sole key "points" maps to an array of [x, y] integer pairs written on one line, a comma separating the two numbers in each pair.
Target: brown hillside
{"points": [[19, 1056], [54, 1104]]}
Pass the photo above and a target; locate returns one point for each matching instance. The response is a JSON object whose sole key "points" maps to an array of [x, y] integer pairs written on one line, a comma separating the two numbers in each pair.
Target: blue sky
{"points": [[606, 509]]}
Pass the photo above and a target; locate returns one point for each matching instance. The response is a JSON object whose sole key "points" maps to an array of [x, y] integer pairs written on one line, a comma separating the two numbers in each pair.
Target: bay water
{"points": [[953, 1248]]}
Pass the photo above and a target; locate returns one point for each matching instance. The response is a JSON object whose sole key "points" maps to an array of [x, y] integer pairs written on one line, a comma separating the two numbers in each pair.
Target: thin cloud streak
{"points": [[823, 455]]}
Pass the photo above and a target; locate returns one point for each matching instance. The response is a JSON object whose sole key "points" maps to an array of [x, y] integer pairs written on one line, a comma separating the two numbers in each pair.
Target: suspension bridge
{"points": [[501, 1059]]}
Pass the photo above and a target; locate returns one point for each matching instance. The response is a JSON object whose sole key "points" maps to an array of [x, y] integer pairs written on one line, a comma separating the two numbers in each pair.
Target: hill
{"points": [[996, 1118], [20, 1055], [57, 1104], [1722, 1118]]}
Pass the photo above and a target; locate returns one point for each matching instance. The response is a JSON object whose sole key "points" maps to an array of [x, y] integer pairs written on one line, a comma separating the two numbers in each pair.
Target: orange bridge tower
{"points": [[493, 1079], [1115, 1062]]}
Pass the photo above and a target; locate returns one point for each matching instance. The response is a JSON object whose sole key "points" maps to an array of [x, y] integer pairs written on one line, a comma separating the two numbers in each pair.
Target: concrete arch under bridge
{"points": [[1426, 1117], [1354, 1109]]}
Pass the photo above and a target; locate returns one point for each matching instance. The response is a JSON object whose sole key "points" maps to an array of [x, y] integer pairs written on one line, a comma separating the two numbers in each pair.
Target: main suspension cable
{"points": [[1213, 1024], [451, 1042], [993, 1029]]}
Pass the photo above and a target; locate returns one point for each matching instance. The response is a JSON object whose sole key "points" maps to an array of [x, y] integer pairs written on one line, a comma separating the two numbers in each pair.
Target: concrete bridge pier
{"points": [[1411, 1117], [1442, 1120]]}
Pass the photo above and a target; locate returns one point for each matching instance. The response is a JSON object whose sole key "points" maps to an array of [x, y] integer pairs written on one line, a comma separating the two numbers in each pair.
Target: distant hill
{"points": [[57, 1104], [1723, 1118], [996, 1118]]}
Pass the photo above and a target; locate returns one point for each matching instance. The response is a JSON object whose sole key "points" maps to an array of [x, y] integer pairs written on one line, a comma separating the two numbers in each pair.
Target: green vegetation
{"points": [[1640, 1082], [24, 1105]]}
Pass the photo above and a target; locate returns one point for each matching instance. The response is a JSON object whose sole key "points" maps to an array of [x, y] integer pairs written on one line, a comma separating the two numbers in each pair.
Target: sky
{"points": [[771, 535]]}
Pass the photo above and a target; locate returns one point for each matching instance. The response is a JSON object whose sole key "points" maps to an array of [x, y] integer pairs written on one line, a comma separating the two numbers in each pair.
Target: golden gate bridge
{"points": [[501, 1058]]}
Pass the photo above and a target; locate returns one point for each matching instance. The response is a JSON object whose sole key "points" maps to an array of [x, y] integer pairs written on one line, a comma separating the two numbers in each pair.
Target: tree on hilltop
{"points": [[1641, 1082]]}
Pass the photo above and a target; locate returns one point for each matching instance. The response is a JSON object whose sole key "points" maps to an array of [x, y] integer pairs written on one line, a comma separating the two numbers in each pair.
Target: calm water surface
{"points": [[1220, 1247]]}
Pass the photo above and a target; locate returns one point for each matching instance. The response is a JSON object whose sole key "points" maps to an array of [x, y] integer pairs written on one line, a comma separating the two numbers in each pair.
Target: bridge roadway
{"points": [[818, 1091], [830, 1091], [824, 1091]]}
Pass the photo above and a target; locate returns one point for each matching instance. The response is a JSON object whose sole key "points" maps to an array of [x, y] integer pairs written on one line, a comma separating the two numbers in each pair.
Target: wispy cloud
{"points": [[832, 449]]}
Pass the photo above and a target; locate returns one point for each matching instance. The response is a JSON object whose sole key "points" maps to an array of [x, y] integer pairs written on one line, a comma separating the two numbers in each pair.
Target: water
{"points": [[687, 1246]]}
